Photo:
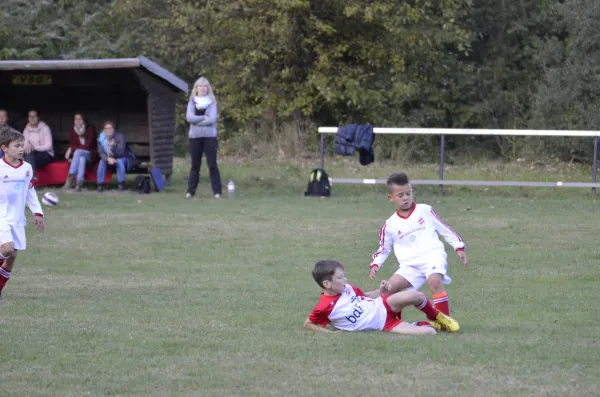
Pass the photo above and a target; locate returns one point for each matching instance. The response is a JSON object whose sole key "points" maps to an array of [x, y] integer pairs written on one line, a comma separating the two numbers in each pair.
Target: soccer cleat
{"points": [[446, 322], [435, 326]]}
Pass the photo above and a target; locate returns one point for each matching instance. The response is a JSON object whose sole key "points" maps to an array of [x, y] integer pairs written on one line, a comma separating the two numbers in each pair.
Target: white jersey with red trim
{"points": [[16, 190], [414, 237], [350, 311]]}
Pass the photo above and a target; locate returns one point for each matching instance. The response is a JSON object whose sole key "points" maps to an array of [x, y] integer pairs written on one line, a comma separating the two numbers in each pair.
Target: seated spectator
{"points": [[113, 152], [4, 125], [38, 142], [82, 150]]}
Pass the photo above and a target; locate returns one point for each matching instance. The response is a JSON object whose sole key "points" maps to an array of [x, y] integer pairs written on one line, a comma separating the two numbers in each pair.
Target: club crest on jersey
{"points": [[27, 174], [421, 221], [5, 176]]}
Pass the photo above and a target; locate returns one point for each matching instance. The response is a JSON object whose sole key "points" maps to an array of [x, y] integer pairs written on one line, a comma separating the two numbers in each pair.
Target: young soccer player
{"points": [[15, 190], [347, 308], [412, 232]]}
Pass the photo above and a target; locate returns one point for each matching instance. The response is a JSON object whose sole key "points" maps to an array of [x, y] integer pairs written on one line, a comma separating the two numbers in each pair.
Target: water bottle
{"points": [[230, 189]]}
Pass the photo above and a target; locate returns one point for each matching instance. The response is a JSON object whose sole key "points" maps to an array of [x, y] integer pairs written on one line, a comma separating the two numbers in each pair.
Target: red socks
{"points": [[427, 307], [440, 300], [4, 276]]}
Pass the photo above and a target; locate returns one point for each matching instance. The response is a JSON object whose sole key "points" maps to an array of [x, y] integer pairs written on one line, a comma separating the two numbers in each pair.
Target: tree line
{"points": [[281, 65]]}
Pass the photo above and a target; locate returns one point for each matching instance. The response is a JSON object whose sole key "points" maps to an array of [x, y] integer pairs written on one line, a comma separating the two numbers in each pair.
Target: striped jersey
{"points": [[414, 237], [16, 190], [350, 311]]}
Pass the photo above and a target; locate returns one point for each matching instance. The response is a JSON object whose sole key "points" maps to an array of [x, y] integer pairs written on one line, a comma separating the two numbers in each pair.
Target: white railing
{"points": [[467, 131]]}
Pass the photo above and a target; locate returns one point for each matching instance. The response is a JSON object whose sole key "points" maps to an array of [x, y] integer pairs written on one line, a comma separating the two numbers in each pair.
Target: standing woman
{"points": [[202, 116]]}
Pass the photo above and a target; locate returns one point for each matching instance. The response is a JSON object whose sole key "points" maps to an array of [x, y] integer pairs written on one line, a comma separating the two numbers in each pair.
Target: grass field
{"points": [[127, 295]]}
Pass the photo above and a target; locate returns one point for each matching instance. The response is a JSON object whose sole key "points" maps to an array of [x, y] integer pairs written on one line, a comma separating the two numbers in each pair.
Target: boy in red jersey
{"points": [[347, 308], [16, 190], [412, 233]]}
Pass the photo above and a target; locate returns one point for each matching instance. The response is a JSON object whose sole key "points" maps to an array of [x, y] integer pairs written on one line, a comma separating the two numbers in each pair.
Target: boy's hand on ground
{"points": [[39, 222], [373, 272], [463, 256]]}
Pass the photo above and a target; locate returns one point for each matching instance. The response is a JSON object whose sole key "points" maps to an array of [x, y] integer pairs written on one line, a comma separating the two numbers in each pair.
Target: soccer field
{"points": [[205, 297]]}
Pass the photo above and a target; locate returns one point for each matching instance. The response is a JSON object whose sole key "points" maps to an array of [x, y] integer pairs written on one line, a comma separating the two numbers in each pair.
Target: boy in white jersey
{"points": [[16, 190], [347, 308], [412, 232]]}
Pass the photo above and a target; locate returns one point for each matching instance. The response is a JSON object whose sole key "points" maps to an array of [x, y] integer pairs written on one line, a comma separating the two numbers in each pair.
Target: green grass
{"points": [[127, 295]]}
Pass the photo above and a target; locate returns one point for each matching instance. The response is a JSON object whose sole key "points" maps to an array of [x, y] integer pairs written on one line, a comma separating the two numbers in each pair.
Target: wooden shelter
{"points": [[135, 93]]}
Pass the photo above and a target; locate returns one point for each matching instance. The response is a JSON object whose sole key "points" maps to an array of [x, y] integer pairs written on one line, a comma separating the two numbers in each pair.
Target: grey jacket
{"points": [[202, 126], [119, 147]]}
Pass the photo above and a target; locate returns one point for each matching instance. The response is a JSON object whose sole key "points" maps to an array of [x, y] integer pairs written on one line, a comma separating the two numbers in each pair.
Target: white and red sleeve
{"points": [[445, 231], [321, 312], [386, 245], [33, 202]]}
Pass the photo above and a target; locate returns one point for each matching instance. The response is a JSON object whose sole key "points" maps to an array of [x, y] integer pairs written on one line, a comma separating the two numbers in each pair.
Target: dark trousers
{"points": [[38, 159], [208, 146]]}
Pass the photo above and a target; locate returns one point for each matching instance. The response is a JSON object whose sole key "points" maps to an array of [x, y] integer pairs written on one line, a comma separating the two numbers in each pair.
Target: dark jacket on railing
{"points": [[352, 137]]}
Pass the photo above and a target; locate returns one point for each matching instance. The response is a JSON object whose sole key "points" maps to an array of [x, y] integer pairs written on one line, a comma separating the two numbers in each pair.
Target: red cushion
{"points": [[56, 173]]}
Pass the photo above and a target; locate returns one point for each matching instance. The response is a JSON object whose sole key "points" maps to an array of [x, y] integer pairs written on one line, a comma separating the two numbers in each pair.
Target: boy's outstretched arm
{"points": [[384, 285], [317, 327], [450, 236], [386, 245], [36, 208]]}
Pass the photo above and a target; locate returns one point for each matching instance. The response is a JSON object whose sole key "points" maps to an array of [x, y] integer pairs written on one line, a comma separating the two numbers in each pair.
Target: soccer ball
{"points": [[50, 199]]}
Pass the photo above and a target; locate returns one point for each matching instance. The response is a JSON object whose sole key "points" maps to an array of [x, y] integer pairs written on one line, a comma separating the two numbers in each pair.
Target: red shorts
{"points": [[392, 318]]}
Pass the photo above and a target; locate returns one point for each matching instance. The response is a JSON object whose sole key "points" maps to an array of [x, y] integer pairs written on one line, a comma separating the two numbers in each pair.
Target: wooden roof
{"points": [[82, 64]]}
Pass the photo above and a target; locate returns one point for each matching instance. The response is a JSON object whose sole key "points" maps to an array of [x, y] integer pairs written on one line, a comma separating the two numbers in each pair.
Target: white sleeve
{"points": [[32, 201], [445, 231], [386, 245]]}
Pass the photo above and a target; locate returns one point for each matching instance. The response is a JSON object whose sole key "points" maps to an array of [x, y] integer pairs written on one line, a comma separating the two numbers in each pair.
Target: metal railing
{"points": [[466, 131]]}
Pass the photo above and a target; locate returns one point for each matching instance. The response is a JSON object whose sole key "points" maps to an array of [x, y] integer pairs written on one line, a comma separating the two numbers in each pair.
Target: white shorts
{"points": [[417, 273], [14, 234]]}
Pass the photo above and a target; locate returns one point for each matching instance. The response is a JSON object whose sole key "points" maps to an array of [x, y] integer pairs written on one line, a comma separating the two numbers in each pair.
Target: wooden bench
{"points": [[56, 173]]}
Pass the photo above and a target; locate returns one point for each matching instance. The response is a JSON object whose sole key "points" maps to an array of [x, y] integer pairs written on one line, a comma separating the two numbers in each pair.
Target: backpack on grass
{"points": [[142, 184], [318, 184]]}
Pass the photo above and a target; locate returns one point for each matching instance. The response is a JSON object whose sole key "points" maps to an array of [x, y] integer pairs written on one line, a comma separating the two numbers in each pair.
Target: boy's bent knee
{"points": [[435, 283], [8, 250]]}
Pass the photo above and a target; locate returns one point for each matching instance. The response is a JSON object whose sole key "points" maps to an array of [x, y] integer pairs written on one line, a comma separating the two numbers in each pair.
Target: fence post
{"points": [[322, 151], [442, 145], [595, 164]]}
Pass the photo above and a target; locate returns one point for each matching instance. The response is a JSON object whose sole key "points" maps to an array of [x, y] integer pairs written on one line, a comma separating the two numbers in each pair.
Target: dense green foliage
{"points": [[301, 63]]}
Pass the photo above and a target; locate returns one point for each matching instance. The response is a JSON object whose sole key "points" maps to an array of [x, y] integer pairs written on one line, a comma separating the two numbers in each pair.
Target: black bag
{"points": [[318, 184], [142, 184]]}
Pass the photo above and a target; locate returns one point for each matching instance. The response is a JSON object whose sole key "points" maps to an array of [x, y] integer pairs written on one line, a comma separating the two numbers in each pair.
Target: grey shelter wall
{"points": [[161, 119]]}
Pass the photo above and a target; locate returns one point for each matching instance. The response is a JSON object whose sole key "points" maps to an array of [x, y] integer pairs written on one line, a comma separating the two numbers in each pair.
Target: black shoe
{"points": [[121, 187], [100, 188]]}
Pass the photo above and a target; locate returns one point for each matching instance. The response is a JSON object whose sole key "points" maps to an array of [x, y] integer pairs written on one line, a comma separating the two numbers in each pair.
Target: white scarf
{"points": [[80, 132]]}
